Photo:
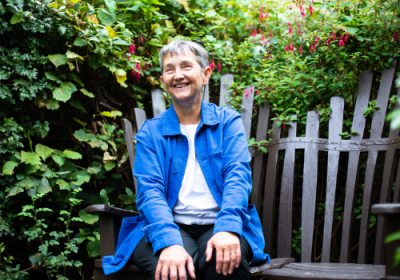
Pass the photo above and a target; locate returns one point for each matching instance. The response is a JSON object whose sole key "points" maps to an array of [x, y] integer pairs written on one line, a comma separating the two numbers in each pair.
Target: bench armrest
{"points": [[107, 209], [386, 209]]}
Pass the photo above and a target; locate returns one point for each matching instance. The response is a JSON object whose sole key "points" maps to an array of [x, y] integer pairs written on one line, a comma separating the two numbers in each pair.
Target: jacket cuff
{"points": [[229, 225], [162, 236]]}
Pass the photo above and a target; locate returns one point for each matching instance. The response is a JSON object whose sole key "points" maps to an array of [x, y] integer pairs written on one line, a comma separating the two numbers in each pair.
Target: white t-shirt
{"points": [[195, 203]]}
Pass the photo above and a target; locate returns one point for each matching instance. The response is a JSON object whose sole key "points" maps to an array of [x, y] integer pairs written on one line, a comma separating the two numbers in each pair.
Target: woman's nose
{"points": [[178, 74]]}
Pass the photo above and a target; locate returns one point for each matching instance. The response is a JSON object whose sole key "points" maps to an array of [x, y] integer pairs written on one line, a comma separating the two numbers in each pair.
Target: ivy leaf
{"points": [[58, 59], [17, 17], [93, 249], [71, 55], [121, 76], [72, 155], [76, 78], [64, 92], [63, 184], [43, 151], [52, 104], [94, 169], [14, 191], [88, 218], [51, 76], [44, 186], [111, 5], [85, 92], [8, 168], [30, 158], [59, 159], [111, 114], [77, 104], [82, 135], [109, 165], [105, 17], [79, 42]]}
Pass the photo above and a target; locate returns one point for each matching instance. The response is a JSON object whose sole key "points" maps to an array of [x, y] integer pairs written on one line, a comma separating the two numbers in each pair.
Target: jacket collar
{"points": [[171, 123]]}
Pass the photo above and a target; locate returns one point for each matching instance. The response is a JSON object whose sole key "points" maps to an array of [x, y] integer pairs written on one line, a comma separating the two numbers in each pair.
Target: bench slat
{"points": [[247, 110], [270, 189], [335, 128], [158, 101], [382, 100], [396, 197], [258, 170], [395, 132], [140, 117], [226, 81], [286, 198], [364, 92], [387, 181], [310, 171], [369, 177], [129, 137]]}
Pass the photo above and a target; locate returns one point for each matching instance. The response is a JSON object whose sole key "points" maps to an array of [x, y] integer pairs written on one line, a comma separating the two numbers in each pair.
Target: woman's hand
{"points": [[229, 255], [172, 262]]}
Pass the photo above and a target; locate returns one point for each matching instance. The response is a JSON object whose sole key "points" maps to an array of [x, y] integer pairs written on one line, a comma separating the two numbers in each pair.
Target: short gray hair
{"points": [[178, 47]]}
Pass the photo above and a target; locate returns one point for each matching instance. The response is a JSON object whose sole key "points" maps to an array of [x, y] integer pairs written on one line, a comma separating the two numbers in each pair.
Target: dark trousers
{"points": [[195, 238]]}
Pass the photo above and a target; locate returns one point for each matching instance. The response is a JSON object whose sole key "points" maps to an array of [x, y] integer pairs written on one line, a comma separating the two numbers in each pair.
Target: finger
{"points": [[209, 251], [238, 256], [191, 268], [227, 261], [220, 259], [172, 273], [158, 271], [232, 263], [164, 273]]}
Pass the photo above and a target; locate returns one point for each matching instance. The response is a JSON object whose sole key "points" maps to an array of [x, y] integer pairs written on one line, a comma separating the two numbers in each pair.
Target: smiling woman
{"points": [[194, 183]]}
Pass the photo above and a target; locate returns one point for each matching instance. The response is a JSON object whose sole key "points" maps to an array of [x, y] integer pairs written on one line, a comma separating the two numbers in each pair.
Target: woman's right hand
{"points": [[172, 262]]}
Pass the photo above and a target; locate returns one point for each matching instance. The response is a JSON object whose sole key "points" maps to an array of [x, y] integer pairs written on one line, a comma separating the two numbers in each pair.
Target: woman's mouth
{"points": [[181, 85]]}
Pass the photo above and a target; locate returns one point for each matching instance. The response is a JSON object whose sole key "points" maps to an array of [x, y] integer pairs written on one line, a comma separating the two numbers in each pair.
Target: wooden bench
{"points": [[265, 187]]}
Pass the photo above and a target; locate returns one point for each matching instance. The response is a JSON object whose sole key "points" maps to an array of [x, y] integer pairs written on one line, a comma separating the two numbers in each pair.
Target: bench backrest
{"points": [[265, 168]]}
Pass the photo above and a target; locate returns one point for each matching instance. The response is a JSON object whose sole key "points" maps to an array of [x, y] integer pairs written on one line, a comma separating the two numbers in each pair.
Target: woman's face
{"points": [[183, 79]]}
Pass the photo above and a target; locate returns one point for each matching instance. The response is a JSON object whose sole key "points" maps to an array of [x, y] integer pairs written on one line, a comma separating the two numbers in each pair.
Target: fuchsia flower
{"points": [[270, 35], [141, 38], [299, 31], [341, 43], [251, 90], [328, 41], [334, 36], [301, 50], [287, 48], [290, 30], [266, 16], [272, 90], [259, 30], [311, 10], [311, 48], [247, 26], [303, 14], [291, 46], [212, 65], [346, 37], [300, 91], [246, 92], [132, 48], [258, 92], [251, 26], [395, 36], [219, 66], [301, 8], [138, 67], [317, 111], [283, 125], [261, 17], [262, 37]]}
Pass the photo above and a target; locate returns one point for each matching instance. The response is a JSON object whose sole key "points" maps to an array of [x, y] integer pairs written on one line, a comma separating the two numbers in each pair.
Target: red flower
{"points": [[287, 48], [329, 41], [246, 92], [132, 49], [262, 37], [247, 26], [259, 30], [395, 36], [290, 30], [255, 32], [138, 67], [311, 48], [212, 65], [291, 46], [311, 10], [251, 90], [258, 92], [299, 32], [136, 75], [303, 14], [301, 50], [219, 66], [261, 17], [317, 111], [334, 36], [341, 43], [270, 35], [266, 16], [283, 125], [300, 91], [346, 37]]}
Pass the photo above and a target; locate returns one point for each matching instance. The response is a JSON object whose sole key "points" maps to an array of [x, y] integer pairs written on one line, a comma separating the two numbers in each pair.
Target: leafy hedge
{"points": [[70, 69]]}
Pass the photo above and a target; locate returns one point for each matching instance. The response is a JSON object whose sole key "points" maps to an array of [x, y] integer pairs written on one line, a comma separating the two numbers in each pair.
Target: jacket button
{"points": [[175, 170], [180, 138]]}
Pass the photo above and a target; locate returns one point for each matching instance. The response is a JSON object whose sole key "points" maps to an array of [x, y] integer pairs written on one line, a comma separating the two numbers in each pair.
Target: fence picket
{"points": [[286, 198], [335, 128], [310, 171], [226, 81], [247, 110], [364, 92], [270, 190], [158, 101]]}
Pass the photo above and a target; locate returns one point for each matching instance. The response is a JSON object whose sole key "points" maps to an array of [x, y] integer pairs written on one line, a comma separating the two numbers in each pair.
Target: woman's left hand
{"points": [[227, 246]]}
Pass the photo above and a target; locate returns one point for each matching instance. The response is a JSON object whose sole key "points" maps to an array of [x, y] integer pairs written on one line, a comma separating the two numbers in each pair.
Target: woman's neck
{"points": [[188, 114]]}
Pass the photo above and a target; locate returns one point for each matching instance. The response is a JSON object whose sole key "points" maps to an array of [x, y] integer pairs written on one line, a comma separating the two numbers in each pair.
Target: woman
{"points": [[194, 182]]}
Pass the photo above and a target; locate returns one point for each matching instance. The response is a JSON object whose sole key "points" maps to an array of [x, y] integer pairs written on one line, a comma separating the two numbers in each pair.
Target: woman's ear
{"points": [[207, 74]]}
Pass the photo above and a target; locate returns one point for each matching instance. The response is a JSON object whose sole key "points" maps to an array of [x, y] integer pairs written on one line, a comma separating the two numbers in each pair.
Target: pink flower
{"points": [[261, 17], [300, 91], [266, 16], [219, 66], [303, 14], [341, 43], [301, 8], [288, 24], [259, 30], [254, 41], [346, 37], [258, 92], [329, 41], [311, 10], [255, 32], [141, 38], [290, 30], [334, 36], [138, 67], [283, 125], [212, 65], [132, 48], [262, 37], [246, 92], [317, 111], [351, 61], [251, 90], [270, 35], [291, 46], [299, 32], [395, 36], [311, 48], [247, 26], [136, 75], [287, 48], [251, 26], [272, 90], [301, 50]]}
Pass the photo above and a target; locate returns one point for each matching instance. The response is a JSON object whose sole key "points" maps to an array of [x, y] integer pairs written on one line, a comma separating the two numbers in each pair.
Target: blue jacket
{"points": [[161, 157]]}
